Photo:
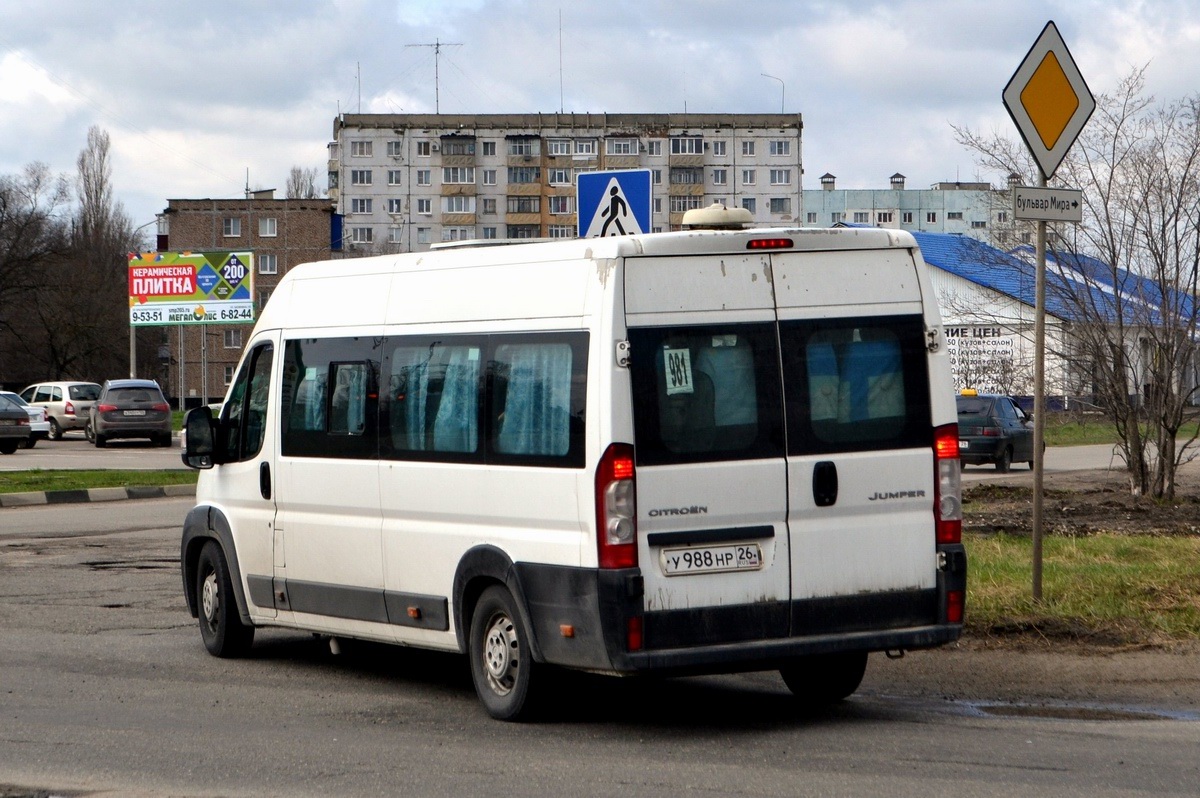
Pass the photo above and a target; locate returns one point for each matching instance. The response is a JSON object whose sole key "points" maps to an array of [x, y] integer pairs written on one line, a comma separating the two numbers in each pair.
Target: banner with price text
{"points": [[191, 288]]}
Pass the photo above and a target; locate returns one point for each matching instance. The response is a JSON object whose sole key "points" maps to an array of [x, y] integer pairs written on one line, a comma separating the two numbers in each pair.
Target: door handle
{"points": [[825, 483], [264, 479]]}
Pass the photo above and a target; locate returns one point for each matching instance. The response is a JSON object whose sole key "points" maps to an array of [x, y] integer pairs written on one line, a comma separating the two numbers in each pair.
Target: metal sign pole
{"points": [[1039, 398]]}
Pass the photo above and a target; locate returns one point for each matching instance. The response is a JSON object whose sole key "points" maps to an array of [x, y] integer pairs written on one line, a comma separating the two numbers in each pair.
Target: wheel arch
{"points": [[205, 523], [479, 568]]}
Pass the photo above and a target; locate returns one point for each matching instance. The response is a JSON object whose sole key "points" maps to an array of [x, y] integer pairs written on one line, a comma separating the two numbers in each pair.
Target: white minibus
{"points": [[675, 453]]}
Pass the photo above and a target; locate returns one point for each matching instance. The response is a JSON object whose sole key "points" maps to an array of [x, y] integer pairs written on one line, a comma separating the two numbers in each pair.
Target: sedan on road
{"points": [[993, 430], [39, 422], [130, 409], [14, 426]]}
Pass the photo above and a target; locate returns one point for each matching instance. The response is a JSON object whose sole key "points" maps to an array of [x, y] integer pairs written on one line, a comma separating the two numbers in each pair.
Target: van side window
{"points": [[706, 393], [532, 383], [330, 397], [855, 384], [433, 396], [246, 409]]}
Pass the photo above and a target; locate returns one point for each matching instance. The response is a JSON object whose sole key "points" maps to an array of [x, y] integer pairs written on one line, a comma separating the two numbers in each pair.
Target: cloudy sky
{"points": [[200, 98]]}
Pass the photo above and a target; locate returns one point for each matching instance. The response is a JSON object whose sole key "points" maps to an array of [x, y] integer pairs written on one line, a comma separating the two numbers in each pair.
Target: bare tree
{"points": [[302, 183], [32, 230], [1128, 273]]}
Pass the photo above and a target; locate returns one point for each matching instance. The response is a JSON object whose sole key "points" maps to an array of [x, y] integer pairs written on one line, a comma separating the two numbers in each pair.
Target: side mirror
{"points": [[198, 437]]}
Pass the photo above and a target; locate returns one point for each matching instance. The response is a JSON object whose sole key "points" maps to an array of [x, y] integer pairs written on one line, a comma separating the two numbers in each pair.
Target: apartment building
{"points": [[198, 360], [402, 182]]}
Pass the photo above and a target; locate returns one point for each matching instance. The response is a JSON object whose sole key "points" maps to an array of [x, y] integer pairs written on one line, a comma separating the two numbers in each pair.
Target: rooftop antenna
{"points": [[437, 51], [358, 82], [560, 74]]}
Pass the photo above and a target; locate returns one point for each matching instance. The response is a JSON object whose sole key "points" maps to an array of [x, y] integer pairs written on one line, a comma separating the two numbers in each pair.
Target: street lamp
{"points": [[782, 89]]}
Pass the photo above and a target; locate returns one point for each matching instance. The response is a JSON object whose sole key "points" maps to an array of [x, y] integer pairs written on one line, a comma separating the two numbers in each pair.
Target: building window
{"points": [[360, 177], [395, 234], [362, 235], [884, 217], [620, 146], [658, 204], [862, 217], [233, 339], [656, 176], [396, 206], [560, 205], [585, 147], [556, 147], [395, 148], [749, 178], [718, 148], [524, 205], [687, 145], [781, 147], [461, 175], [811, 218], [489, 205], [719, 177], [526, 146], [931, 217], [395, 176], [360, 149], [836, 217], [489, 148], [523, 230], [781, 204], [687, 175], [560, 177], [360, 205], [680, 204], [423, 235], [954, 216], [1002, 216], [906, 217], [457, 233], [231, 227], [978, 225], [424, 177], [264, 294], [458, 204], [562, 231], [228, 375], [424, 206], [489, 177], [489, 233], [781, 177], [423, 149], [750, 204], [654, 148], [524, 174], [332, 177], [268, 228], [268, 264], [457, 147], [748, 149]]}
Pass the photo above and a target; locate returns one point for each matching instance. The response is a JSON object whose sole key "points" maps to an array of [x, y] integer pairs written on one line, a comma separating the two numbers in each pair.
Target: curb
{"points": [[36, 498]]}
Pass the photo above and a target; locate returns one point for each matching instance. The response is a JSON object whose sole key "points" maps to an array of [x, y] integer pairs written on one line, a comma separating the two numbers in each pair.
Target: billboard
{"points": [[191, 288]]}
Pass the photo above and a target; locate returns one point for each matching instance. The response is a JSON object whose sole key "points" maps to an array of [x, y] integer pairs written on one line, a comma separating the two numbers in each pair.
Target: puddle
{"points": [[1070, 712]]}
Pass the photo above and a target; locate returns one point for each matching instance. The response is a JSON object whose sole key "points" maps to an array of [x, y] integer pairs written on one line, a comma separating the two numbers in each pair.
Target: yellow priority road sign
{"points": [[1048, 100]]}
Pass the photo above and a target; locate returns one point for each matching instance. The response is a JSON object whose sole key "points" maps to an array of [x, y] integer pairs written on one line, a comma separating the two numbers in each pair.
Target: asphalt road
{"points": [[105, 689]]}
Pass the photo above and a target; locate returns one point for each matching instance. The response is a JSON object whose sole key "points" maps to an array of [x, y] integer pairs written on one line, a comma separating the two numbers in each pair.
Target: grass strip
{"points": [[50, 479], [1104, 588]]}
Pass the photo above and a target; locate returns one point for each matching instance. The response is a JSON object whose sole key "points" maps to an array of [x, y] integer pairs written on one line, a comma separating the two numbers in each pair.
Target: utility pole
{"points": [[437, 51]]}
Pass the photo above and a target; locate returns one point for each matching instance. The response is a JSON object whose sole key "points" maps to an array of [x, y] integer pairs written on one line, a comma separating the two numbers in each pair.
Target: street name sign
{"points": [[1048, 204], [1049, 100]]}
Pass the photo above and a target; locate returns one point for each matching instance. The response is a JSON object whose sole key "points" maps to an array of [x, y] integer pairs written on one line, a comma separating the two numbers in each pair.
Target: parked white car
{"points": [[39, 422]]}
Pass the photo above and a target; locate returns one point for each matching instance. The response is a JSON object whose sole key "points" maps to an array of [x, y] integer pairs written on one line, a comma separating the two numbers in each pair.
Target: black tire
{"points": [[8, 447], [1004, 461], [165, 440], [100, 440], [89, 433], [221, 626], [824, 679], [502, 664], [56, 432], [28, 443]]}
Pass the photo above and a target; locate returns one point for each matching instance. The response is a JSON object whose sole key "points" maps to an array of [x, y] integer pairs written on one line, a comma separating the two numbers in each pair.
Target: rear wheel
{"points": [[1004, 461], [502, 665], [100, 440], [8, 447], [164, 439], [824, 679], [55, 431], [221, 627]]}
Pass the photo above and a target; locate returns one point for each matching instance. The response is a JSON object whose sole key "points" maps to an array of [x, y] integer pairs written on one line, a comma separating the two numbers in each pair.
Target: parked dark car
{"points": [[14, 426], [130, 409], [994, 430]]}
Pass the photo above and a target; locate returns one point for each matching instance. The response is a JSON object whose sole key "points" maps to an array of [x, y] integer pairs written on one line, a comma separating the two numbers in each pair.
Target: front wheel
{"points": [[502, 664], [221, 626], [824, 679]]}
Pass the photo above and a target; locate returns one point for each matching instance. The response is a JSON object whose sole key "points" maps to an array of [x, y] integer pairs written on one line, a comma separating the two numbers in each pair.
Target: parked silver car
{"points": [[130, 409], [67, 403]]}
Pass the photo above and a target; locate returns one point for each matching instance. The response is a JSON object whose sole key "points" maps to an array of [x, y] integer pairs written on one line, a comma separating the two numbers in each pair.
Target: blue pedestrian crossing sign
{"points": [[615, 203]]}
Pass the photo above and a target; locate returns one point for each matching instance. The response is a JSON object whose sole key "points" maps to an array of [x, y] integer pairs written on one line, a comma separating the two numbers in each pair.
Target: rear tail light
{"points": [[770, 243], [955, 606], [990, 432], [616, 519], [162, 407], [947, 500], [69, 409], [105, 408]]}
